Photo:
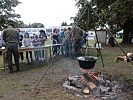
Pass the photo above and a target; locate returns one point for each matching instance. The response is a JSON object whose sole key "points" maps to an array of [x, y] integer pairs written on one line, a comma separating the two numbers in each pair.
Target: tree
{"points": [[85, 17], [37, 25], [116, 13], [63, 24], [7, 13]]}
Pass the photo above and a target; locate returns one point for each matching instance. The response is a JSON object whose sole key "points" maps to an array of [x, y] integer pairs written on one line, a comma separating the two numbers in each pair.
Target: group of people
{"points": [[70, 38], [35, 41], [13, 40]]}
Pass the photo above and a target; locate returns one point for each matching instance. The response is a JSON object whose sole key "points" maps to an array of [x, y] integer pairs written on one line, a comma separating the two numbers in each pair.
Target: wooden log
{"points": [[91, 85], [88, 82]]}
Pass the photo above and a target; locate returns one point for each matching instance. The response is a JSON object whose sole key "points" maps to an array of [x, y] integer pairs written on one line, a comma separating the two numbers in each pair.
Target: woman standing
{"points": [[55, 38], [20, 44], [43, 38]]}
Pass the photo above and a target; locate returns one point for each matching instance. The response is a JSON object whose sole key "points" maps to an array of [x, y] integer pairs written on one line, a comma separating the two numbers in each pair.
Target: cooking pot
{"points": [[87, 62]]}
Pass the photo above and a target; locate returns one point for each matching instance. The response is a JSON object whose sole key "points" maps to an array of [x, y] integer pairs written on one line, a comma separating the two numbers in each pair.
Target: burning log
{"points": [[88, 82], [91, 85], [90, 76], [125, 58], [86, 90], [93, 78], [70, 78], [74, 81], [86, 85]]}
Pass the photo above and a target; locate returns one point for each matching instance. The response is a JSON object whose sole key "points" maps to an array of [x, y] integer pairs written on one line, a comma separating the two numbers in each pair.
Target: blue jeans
{"points": [[42, 53], [37, 54]]}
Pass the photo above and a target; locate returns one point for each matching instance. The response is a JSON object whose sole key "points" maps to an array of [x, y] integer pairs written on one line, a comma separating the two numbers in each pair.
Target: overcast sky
{"points": [[47, 12]]}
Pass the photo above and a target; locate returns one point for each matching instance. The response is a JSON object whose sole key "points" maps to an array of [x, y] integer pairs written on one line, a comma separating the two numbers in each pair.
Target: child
{"points": [[36, 43], [27, 43]]}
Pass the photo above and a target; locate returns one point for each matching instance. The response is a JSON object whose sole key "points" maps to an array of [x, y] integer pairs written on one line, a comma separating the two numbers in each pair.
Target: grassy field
{"points": [[20, 86], [122, 70]]}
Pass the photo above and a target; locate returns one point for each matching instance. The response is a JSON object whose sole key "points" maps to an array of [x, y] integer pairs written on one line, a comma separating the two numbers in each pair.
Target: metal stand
{"points": [[87, 46], [99, 50], [52, 60]]}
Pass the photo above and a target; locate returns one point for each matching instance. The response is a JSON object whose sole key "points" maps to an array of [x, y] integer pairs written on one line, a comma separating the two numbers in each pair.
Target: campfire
{"points": [[92, 84], [96, 84]]}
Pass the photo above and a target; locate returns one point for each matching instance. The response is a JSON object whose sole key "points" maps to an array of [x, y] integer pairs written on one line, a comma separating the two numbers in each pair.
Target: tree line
{"points": [[115, 13]]}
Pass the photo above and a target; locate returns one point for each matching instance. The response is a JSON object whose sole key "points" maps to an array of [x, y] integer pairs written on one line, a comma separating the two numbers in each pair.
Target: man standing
{"points": [[77, 34], [61, 39], [111, 35], [67, 42], [62, 33], [11, 39]]}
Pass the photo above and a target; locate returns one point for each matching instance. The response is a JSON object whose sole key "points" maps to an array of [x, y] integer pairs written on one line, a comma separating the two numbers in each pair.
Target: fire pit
{"points": [[93, 85], [87, 62]]}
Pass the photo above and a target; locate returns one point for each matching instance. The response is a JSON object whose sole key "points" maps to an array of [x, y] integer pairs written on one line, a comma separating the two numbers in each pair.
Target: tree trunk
{"points": [[127, 31], [125, 36]]}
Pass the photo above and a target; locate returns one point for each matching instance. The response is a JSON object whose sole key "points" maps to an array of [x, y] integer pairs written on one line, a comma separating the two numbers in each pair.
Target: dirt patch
{"points": [[20, 86]]}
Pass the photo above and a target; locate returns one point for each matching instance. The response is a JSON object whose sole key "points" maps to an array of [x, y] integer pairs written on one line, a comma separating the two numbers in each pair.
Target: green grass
{"points": [[123, 71]]}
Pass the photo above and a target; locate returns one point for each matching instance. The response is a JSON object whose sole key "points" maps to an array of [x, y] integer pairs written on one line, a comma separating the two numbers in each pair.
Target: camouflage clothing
{"points": [[11, 36], [11, 39]]}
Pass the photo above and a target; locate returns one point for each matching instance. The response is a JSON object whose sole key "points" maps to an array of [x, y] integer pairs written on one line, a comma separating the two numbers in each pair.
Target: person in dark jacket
{"points": [[111, 35], [55, 38], [77, 34], [20, 44], [11, 39], [43, 38]]}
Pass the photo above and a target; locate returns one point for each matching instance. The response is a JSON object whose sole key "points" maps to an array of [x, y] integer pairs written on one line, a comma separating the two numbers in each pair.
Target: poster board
{"points": [[102, 36]]}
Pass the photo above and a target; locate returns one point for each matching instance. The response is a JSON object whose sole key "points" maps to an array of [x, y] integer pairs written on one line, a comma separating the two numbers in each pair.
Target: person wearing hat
{"points": [[11, 39]]}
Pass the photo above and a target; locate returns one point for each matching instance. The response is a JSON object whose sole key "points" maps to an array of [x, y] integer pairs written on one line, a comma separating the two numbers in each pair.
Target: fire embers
{"points": [[92, 84], [125, 58]]}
